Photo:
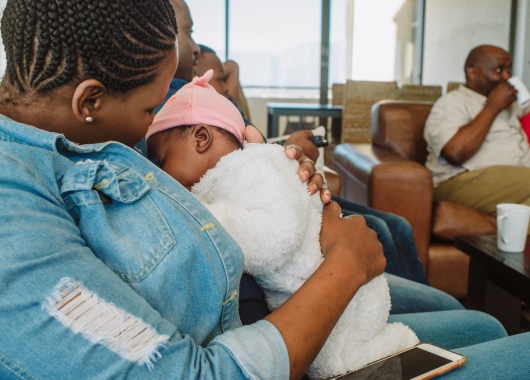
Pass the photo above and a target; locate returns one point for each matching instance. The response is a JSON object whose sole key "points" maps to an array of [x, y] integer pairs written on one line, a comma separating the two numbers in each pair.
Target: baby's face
{"points": [[191, 156]]}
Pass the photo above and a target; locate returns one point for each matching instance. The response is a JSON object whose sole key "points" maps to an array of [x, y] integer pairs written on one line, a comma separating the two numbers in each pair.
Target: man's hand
{"points": [[502, 97], [307, 171], [304, 140], [469, 138], [253, 136], [351, 238]]}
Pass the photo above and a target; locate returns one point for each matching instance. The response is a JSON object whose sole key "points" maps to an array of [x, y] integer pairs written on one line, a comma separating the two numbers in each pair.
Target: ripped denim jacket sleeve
{"points": [[110, 269]]}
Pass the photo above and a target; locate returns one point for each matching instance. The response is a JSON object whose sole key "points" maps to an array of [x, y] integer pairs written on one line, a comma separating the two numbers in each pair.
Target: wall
{"points": [[521, 59], [453, 28]]}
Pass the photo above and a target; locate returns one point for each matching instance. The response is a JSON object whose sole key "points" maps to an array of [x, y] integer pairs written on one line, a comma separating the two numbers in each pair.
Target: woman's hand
{"points": [[307, 171], [353, 240], [354, 257]]}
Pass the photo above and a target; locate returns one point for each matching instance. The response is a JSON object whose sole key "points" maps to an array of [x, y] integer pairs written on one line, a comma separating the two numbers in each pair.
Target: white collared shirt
{"points": [[505, 144]]}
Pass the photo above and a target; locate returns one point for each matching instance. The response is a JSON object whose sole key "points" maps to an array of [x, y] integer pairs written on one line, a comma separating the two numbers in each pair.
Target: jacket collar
{"points": [[13, 131]]}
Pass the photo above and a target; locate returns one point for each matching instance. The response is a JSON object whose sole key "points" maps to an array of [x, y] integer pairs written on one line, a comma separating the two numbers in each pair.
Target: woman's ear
{"points": [[87, 100], [203, 137]]}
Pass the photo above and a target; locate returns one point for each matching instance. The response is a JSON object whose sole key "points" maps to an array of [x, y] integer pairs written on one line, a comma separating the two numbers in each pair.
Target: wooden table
{"points": [[498, 281], [275, 110]]}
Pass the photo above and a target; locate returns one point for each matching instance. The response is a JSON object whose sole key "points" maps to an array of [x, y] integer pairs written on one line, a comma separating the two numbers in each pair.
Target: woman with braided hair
{"points": [[111, 269]]}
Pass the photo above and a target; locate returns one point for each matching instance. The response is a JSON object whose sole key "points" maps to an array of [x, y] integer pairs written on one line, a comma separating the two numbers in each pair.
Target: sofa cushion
{"points": [[451, 220]]}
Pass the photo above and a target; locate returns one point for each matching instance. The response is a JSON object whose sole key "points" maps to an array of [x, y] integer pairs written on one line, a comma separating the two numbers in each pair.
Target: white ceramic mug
{"points": [[523, 96], [512, 226]]}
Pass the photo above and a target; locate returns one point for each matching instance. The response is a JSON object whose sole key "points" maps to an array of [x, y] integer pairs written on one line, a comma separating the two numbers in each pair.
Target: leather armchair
{"points": [[389, 175]]}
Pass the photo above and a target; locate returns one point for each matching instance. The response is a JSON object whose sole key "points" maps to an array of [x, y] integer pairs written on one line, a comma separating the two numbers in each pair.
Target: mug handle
{"points": [[500, 223]]}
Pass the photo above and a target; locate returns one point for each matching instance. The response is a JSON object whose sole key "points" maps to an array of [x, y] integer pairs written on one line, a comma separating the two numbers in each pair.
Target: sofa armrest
{"points": [[383, 180]]}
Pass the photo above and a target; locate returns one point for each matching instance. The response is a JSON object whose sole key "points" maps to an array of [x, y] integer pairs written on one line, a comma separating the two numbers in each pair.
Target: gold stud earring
{"points": [[88, 119]]}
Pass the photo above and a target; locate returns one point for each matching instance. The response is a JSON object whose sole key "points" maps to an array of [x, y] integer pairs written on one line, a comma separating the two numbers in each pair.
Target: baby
{"points": [[256, 195]]}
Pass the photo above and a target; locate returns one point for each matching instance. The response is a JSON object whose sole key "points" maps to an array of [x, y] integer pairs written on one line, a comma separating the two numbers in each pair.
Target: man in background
{"points": [[188, 50], [478, 153]]}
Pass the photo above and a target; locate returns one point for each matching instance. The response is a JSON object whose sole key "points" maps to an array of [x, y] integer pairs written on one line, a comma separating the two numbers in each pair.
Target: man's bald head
{"points": [[482, 54], [486, 66]]}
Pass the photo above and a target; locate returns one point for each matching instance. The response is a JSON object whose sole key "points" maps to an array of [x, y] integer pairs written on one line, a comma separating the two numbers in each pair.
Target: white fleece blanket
{"points": [[256, 195]]}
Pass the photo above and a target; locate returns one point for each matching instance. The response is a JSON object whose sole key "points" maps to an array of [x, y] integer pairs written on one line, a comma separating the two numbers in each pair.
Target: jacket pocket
{"points": [[118, 219]]}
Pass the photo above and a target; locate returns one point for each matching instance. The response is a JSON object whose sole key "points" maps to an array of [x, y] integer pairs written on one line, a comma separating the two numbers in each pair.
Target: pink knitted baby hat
{"points": [[199, 103]]}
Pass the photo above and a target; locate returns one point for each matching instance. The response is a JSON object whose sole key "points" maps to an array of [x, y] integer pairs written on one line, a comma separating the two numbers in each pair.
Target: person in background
{"points": [[208, 60], [231, 69], [478, 153]]}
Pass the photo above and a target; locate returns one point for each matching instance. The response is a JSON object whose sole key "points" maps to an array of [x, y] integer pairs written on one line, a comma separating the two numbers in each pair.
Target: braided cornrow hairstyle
{"points": [[50, 43]]}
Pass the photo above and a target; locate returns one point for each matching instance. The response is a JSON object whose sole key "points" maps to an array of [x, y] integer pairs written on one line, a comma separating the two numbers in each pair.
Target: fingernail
{"points": [[313, 188], [292, 150], [305, 174]]}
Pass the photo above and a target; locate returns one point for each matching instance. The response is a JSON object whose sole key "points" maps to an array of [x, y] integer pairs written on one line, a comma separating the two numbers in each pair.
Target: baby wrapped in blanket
{"points": [[255, 193]]}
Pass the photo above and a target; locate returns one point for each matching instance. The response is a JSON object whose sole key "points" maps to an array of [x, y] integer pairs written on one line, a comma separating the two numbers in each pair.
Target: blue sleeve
{"points": [[41, 247]]}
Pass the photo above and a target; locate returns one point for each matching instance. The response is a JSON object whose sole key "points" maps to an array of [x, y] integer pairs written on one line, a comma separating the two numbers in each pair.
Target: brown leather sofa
{"points": [[389, 175]]}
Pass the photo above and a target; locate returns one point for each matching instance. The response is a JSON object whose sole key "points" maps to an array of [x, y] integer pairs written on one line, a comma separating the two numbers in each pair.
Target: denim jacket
{"points": [[95, 241]]}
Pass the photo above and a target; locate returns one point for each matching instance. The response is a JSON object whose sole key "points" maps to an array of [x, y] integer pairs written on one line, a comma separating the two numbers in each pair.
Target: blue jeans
{"points": [[407, 297], [505, 358], [438, 318], [411, 297], [395, 233], [481, 338]]}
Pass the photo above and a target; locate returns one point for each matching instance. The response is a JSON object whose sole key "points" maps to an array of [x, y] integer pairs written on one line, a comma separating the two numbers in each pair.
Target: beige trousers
{"points": [[485, 188]]}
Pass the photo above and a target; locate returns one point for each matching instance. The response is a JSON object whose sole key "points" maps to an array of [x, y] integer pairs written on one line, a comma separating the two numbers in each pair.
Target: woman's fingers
{"points": [[294, 152], [307, 166], [307, 172], [315, 183], [304, 139], [353, 241], [325, 195]]}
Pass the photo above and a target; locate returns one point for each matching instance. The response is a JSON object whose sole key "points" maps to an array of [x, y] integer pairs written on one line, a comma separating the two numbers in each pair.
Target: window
{"points": [[379, 52], [338, 41], [277, 42], [209, 24]]}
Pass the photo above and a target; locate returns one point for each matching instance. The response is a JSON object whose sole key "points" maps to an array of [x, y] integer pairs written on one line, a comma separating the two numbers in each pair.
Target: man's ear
{"points": [[87, 100], [203, 137], [471, 73]]}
